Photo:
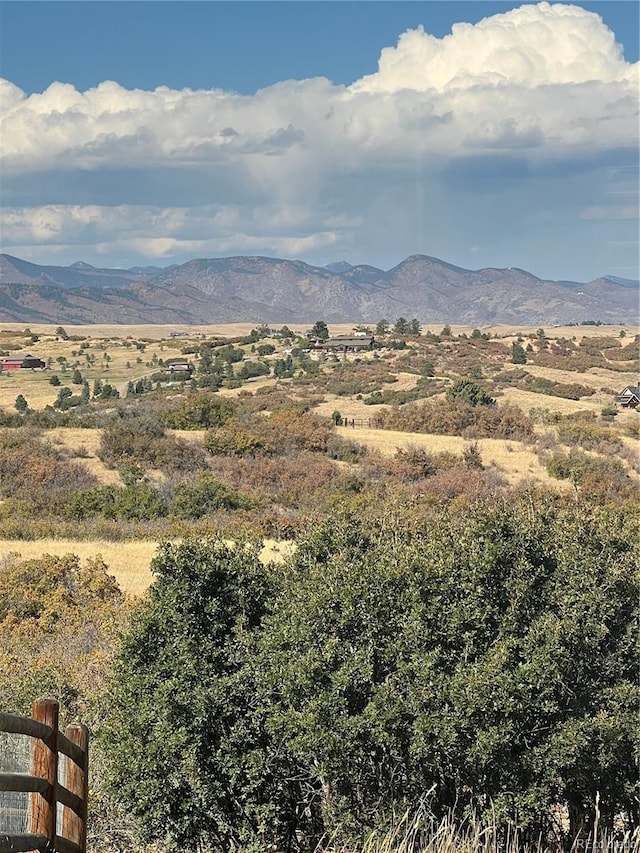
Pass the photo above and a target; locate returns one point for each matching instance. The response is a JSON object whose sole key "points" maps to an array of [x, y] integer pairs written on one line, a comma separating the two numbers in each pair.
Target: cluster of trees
{"points": [[402, 326], [215, 364], [383, 327], [487, 657]]}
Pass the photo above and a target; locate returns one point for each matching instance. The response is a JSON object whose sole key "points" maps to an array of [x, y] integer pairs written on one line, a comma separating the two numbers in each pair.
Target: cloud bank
{"points": [[495, 118]]}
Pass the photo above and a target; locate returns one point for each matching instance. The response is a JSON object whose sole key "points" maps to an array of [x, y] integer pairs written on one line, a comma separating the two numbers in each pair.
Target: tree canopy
{"points": [[320, 330], [486, 656]]}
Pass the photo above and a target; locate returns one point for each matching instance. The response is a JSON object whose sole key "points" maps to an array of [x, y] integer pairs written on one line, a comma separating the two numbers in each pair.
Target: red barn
{"points": [[21, 362]]}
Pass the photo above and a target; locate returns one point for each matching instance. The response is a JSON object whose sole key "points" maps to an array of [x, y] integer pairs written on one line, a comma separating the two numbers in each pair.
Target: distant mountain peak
{"points": [[623, 282], [276, 290], [338, 266]]}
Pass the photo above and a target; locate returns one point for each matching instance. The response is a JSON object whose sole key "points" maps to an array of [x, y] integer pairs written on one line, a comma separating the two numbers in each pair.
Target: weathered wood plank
{"points": [[63, 845], [71, 801], [13, 724], [23, 783], [71, 750], [74, 820], [22, 843], [44, 763]]}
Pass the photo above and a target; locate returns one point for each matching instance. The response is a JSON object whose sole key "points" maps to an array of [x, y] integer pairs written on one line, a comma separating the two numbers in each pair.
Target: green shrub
{"points": [[345, 450], [518, 355], [21, 406], [471, 456], [601, 479], [235, 441], [589, 436], [203, 496], [252, 369], [468, 391], [202, 410], [142, 439], [138, 502]]}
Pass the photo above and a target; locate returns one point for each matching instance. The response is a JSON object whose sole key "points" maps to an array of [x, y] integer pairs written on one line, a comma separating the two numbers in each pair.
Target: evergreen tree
{"points": [[320, 330], [401, 326], [468, 391], [184, 716], [488, 655], [518, 355], [21, 404]]}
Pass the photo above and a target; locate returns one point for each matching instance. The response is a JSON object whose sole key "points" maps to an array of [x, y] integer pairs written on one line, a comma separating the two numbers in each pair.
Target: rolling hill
{"points": [[261, 289]]}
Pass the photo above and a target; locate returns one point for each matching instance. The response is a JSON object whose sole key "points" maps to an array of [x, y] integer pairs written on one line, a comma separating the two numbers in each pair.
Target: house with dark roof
{"points": [[629, 398], [181, 366], [21, 362], [348, 343]]}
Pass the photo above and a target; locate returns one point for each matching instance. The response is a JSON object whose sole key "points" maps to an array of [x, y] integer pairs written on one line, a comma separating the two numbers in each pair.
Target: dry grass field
{"points": [[596, 378], [159, 332], [516, 462], [128, 562], [527, 400], [98, 357]]}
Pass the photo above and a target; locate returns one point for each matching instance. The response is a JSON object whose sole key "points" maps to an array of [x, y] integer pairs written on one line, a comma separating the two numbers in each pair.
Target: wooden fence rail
{"points": [[47, 743], [362, 423]]}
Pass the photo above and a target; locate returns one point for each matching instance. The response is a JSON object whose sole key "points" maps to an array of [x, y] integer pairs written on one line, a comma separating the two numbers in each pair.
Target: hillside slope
{"points": [[260, 289]]}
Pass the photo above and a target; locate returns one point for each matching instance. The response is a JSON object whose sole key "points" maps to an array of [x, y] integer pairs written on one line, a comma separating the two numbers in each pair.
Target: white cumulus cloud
{"points": [[307, 164], [528, 46]]}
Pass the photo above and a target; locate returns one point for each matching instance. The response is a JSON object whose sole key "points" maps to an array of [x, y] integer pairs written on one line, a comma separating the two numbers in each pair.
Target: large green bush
{"points": [[488, 657], [184, 715]]}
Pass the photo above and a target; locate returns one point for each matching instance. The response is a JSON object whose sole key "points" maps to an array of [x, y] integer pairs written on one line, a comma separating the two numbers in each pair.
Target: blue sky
{"points": [[241, 46], [318, 130]]}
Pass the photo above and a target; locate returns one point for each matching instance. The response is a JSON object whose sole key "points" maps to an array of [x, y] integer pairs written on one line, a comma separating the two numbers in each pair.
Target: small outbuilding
{"points": [[629, 398]]}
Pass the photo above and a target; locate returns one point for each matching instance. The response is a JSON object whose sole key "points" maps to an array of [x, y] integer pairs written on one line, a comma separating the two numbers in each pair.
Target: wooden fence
{"points": [[362, 423], [47, 742]]}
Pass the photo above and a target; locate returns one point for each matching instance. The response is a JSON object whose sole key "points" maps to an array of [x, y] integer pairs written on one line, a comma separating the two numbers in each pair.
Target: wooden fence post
{"points": [[44, 763], [74, 827]]}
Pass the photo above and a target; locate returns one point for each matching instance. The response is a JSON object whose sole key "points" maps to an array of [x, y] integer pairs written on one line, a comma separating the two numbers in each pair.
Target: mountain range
{"points": [[261, 289]]}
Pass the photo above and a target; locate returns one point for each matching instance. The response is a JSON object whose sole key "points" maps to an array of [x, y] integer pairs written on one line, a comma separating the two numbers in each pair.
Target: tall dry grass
{"points": [[421, 834]]}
